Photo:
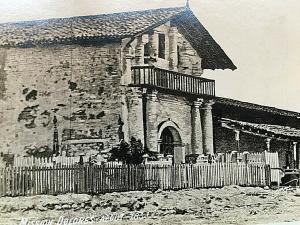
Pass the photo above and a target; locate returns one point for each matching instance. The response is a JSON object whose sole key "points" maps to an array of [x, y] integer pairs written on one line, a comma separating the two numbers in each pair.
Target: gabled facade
{"points": [[106, 78]]}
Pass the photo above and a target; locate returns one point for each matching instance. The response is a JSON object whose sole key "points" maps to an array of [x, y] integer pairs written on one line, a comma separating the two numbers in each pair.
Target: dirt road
{"points": [[228, 205]]}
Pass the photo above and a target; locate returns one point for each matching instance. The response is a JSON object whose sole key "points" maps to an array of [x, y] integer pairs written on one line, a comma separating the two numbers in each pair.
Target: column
{"points": [[135, 110], [142, 40], [207, 128], [196, 142], [151, 112], [173, 48], [185, 58], [127, 76], [55, 138], [268, 141], [159, 142], [125, 117], [154, 44], [298, 157], [237, 139], [295, 155]]}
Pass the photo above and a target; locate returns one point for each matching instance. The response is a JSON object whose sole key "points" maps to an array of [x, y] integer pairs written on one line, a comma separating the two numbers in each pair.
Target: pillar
{"points": [[135, 110], [185, 58], [55, 138], [268, 141], [295, 155], [237, 139], [173, 48], [159, 142], [298, 157], [154, 44], [196, 142], [127, 76], [207, 128], [151, 112], [125, 117], [139, 54]]}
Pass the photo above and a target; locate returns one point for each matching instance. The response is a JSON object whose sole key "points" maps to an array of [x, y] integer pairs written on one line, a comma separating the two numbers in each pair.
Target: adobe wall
{"points": [[86, 88], [160, 108], [285, 152], [225, 141], [178, 110], [81, 84]]}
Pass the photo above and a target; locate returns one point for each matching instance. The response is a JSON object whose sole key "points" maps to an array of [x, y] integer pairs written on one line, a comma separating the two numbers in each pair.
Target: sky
{"points": [[262, 37]]}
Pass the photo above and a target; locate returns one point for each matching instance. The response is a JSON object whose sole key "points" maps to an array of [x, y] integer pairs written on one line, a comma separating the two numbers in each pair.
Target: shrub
{"points": [[128, 153]]}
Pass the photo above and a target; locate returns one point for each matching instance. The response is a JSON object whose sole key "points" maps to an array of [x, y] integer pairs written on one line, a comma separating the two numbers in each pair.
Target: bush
{"points": [[128, 153], [42, 151]]}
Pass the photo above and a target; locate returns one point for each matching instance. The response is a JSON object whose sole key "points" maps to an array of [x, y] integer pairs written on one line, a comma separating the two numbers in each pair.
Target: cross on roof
{"points": [[187, 4]]}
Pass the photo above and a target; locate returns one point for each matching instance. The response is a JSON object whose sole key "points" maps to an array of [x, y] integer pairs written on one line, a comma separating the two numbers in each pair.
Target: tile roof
{"points": [[248, 105], [213, 56], [115, 25], [269, 128], [94, 29]]}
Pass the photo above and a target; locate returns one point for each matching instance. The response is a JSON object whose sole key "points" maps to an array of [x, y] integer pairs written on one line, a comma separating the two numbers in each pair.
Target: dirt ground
{"points": [[228, 205]]}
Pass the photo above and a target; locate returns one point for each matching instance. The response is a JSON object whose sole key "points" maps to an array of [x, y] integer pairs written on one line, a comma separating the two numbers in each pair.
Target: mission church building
{"points": [[106, 78]]}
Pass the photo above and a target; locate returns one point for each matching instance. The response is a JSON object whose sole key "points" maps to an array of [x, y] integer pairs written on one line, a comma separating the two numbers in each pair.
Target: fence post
{"points": [[268, 174]]}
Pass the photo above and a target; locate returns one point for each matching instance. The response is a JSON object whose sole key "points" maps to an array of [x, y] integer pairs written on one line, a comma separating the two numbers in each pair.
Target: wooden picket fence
{"points": [[47, 161], [268, 158], [261, 157], [254, 157], [24, 181]]}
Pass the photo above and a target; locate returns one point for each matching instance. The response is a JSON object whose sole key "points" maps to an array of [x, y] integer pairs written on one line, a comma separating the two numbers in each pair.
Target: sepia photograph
{"points": [[176, 112]]}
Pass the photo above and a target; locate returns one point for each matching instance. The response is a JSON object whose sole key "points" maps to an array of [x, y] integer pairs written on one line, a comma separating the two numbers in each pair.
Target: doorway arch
{"points": [[169, 137]]}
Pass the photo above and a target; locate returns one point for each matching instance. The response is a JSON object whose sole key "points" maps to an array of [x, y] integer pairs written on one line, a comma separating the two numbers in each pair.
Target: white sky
{"points": [[262, 37]]}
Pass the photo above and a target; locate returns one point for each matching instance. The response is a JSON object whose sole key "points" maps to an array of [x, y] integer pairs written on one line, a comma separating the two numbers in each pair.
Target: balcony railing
{"points": [[165, 79]]}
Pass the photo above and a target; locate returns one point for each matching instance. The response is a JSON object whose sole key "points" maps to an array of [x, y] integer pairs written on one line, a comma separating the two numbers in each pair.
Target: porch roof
{"points": [[263, 129], [252, 106]]}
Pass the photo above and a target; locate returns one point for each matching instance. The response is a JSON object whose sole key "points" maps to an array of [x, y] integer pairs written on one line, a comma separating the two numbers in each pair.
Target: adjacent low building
{"points": [[243, 126]]}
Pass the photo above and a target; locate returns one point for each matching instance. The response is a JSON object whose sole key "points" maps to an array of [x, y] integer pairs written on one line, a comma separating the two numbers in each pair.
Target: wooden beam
{"points": [[250, 131]]}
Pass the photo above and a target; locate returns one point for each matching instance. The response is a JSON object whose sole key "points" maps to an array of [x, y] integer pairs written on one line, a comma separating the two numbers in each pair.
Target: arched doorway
{"points": [[170, 140]]}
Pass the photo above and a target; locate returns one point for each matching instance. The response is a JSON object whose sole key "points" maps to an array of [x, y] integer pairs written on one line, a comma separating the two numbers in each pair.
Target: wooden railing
{"points": [[166, 79]]}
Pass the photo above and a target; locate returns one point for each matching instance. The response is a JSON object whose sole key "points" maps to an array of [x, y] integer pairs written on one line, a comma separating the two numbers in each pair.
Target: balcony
{"points": [[150, 76]]}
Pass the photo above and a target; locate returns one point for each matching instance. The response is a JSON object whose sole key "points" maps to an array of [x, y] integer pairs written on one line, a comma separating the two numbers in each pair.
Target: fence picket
{"points": [[70, 178]]}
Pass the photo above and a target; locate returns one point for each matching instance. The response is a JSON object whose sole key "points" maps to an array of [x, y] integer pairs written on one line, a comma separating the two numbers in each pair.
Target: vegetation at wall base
{"points": [[129, 153]]}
